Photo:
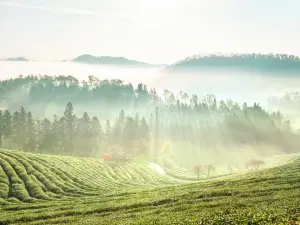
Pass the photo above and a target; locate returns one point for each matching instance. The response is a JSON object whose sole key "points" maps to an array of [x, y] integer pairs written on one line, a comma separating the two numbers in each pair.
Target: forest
{"points": [[203, 123], [261, 62]]}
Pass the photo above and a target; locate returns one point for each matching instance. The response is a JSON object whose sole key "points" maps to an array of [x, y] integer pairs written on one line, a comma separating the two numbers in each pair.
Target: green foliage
{"points": [[205, 124], [267, 62], [96, 192]]}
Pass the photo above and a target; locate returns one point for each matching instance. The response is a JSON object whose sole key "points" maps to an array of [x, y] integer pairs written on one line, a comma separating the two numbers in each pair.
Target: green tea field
{"points": [[47, 189]]}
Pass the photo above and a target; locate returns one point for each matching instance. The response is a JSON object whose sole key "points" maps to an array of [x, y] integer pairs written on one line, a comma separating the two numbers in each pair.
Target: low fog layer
{"points": [[135, 122], [240, 86]]}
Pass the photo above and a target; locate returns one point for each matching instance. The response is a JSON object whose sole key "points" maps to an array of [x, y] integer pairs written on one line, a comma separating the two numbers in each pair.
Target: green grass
{"points": [[45, 189]]}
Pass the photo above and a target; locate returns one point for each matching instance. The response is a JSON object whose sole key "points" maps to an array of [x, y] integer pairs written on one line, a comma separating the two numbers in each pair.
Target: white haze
{"points": [[240, 87]]}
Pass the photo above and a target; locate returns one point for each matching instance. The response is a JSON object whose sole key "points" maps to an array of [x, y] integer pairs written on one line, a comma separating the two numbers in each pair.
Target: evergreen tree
{"points": [[1, 127], [46, 141], [30, 134], [97, 134], [85, 135], [69, 118], [55, 134], [16, 129], [129, 135], [156, 132], [116, 133], [122, 119], [144, 136], [22, 128], [108, 131], [7, 127]]}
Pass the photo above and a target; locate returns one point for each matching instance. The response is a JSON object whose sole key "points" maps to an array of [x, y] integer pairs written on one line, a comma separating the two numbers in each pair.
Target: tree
{"points": [[16, 128], [85, 135], [30, 134], [55, 129], [144, 136], [22, 127], [156, 132], [122, 119], [46, 141], [129, 135], [7, 127], [108, 130], [97, 134], [1, 128], [69, 128]]}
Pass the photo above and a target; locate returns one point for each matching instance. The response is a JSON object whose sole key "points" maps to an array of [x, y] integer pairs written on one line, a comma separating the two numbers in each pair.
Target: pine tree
{"points": [[156, 132], [144, 137], [61, 141], [97, 134], [46, 142], [22, 127], [129, 135], [7, 127], [69, 118], [85, 135], [38, 132], [136, 124], [55, 134], [122, 119], [116, 133], [108, 131], [1, 127], [30, 134], [16, 128]]}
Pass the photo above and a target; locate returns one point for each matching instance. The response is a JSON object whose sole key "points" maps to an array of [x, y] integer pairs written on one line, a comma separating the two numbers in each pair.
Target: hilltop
{"points": [[20, 58], [257, 62], [39, 189], [109, 60]]}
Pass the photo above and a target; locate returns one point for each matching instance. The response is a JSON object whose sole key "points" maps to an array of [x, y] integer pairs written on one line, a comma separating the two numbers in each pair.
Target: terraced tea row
{"points": [[31, 177], [269, 196]]}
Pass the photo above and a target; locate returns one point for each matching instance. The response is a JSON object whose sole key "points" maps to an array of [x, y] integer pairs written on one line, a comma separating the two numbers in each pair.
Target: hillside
{"points": [[45, 189], [109, 60], [16, 59], [257, 62]]}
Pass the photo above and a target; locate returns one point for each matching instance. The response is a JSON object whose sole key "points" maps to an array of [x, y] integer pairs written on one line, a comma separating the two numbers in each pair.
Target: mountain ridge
{"points": [[15, 59], [259, 62], [110, 60]]}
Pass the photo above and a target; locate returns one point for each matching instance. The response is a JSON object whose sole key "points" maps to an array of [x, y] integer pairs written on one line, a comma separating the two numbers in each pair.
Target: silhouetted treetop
{"points": [[108, 60], [244, 61]]}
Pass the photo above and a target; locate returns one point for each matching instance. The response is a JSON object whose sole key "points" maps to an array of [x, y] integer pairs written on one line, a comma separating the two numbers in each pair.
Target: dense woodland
{"points": [[264, 62], [38, 92], [206, 124]]}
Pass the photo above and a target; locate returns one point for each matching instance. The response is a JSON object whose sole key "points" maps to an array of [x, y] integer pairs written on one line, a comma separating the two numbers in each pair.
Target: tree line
{"points": [[208, 126], [72, 135], [265, 62]]}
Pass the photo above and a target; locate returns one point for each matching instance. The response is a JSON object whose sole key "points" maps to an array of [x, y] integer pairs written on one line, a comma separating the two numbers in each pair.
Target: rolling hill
{"points": [[244, 62], [109, 60], [16, 59], [48, 189]]}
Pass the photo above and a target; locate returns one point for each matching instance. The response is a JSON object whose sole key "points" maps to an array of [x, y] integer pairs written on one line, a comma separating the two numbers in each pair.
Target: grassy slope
{"points": [[42, 189]]}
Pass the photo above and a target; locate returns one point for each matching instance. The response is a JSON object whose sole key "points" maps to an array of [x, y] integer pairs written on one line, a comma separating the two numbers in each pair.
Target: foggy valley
{"points": [[149, 112]]}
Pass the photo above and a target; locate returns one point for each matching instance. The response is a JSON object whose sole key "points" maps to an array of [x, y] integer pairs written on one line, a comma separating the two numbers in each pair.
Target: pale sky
{"points": [[155, 31]]}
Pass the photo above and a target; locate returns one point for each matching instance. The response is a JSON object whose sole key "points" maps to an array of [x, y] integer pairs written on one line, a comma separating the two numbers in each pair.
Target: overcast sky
{"points": [[156, 31]]}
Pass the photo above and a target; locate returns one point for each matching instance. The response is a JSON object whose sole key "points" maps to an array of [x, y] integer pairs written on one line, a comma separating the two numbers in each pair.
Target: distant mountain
{"points": [[109, 60], [257, 62], [22, 59]]}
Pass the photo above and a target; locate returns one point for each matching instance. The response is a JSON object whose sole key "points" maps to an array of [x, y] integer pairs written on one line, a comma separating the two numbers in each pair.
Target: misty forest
{"points": [[100, 151], [201, 124], [150, 112]]}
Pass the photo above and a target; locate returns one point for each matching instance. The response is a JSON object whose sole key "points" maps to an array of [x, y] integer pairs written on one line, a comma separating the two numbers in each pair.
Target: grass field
{"points": [[45, 189]]}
